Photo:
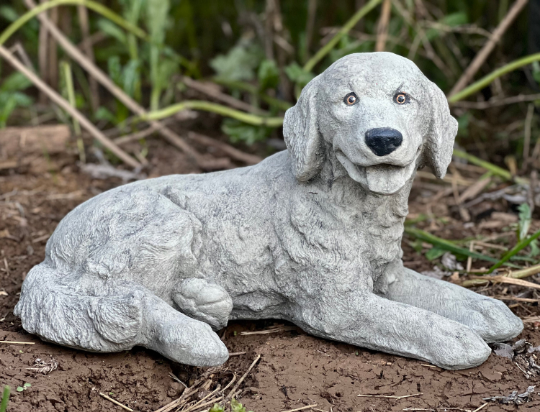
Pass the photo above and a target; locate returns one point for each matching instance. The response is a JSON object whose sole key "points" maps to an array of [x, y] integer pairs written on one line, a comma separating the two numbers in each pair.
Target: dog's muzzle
{"points": [[383, 140]]}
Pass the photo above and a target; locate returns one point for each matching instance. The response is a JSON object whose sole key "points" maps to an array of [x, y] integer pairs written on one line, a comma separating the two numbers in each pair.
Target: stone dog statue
{"points": [[311, 235]]}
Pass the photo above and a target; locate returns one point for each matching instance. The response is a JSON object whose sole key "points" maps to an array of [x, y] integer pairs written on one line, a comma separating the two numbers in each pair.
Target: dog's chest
{"points": [[333, 233]]}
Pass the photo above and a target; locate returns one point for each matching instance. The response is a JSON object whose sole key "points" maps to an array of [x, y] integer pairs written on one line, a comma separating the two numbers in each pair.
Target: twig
{"points": [[212, 91], [236, 354], [82, 12], [228, 149], [382, 26], [275, 329], [390, 396], [172, 375], [498, 102], [488, 47], [527, 139], [481, 407], [342, 32], [302, 408], [233, 390], [106, 82], [484, 81], [17, 343], [60, 101], [116, 402], [500, 279]]}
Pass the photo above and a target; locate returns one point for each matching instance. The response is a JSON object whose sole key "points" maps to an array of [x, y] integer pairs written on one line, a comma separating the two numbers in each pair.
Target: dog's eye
{"points": [[350, 99], [401, 98]]}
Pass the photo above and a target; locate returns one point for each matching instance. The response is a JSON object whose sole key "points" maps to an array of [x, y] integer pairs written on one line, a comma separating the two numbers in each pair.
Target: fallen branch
{"points": [[489, 46], [517, 274], [483, 82], [106, 82], [235, 388], [115, 402], [60, 101], [228, 149]]}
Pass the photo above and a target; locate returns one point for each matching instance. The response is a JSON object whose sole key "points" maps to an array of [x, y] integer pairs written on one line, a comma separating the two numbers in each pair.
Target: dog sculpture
{"points": [[311, 235]]}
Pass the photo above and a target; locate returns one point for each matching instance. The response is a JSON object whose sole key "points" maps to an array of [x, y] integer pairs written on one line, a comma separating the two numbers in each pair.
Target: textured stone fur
{"points": [[311, 235]]}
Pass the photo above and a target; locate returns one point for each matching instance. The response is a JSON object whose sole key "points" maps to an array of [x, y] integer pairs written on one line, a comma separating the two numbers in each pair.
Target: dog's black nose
{"points": [[383, 140]]}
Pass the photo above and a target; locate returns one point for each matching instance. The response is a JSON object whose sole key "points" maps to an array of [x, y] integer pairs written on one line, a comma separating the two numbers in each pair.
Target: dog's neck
{"points": [[334, 179]]}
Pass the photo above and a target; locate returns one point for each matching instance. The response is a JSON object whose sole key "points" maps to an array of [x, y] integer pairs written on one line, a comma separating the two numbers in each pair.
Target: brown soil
{"points": [[295, 369]]}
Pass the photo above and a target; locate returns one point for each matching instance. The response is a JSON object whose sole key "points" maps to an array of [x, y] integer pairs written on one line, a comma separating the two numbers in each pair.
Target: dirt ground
{"points": [[295, 369]]}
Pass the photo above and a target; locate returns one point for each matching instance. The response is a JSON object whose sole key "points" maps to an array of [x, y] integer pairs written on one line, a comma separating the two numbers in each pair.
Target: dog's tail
{"points": [[58, 310]]}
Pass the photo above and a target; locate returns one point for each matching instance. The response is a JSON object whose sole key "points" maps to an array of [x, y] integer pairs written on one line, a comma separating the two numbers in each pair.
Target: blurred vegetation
{"points": [[259, 52]]}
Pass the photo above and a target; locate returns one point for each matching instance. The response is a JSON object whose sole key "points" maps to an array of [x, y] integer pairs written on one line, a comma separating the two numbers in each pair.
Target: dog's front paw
{"points": [[492, 320], [207, 302], [457, 347]]}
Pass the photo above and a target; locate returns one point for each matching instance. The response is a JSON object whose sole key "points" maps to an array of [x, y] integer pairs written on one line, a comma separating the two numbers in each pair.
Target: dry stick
{"points": [[104, 80], [89, 51], [390, 396], [480, 408], [228, 149], [484, 53], [116, 402], [302, 408], [233, 390], [216, 94], [497, 102], [382, 26], [60, 101], [17, 343], [527, 139], [42, 57]]}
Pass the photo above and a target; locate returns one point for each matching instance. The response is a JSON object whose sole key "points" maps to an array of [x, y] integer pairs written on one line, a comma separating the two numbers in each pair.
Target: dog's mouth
{"points": [[383, 179]]}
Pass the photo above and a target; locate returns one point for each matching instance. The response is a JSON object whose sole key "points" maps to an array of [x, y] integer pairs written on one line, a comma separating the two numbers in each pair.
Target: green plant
{"points": [[24, 387], [5, 399], [235, 407], [11, 96]]}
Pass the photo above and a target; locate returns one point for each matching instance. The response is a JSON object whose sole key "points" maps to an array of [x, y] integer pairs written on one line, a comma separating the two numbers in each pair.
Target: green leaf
{"points": [[103, 113], [115, 70], [298, 75], [515, 250], [8, 13], [524, 223], [20, 389], [536, 71], [238, 64], [535, 249], [27, 385], [242, 132], [112, 30], [131, 77], [6, 109], [434, 253], [237, 406], [268, 75], [15, 82], [217, 408], [445, 244], [463, 124]]}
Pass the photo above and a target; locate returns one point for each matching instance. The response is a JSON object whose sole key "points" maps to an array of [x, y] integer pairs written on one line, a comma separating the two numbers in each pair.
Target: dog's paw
{"points": [[457, 347], [207, 302], [492, 320]]}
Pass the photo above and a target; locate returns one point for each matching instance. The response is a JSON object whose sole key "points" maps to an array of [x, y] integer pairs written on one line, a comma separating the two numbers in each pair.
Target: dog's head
{"points": [[380, 115]]}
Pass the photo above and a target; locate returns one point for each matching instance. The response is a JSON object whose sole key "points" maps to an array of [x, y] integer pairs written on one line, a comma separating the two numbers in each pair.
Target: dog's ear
{"points": [[441, 131], [302, 136]]}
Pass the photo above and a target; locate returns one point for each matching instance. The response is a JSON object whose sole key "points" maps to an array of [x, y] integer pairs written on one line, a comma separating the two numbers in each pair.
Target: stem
{"points": [[520, 246], [496, 170], [214, 108], [98, 8], [445, 244], [342, 32], [480, 84], [5, 399]]}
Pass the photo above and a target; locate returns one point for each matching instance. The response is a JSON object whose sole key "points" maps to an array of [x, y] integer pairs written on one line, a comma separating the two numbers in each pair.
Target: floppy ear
{"points": [[441, 132], [302, 136]]}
